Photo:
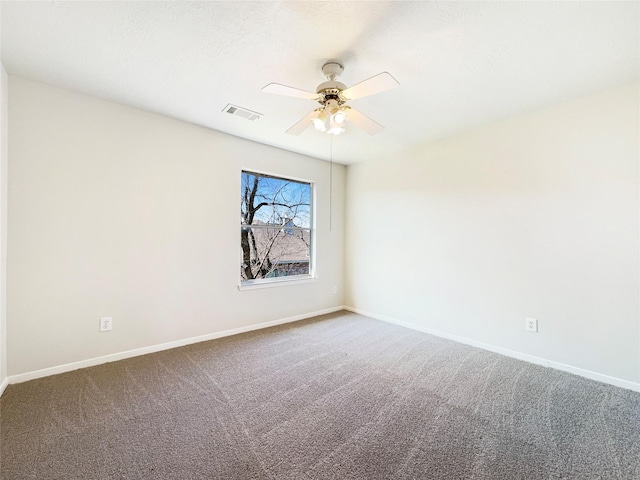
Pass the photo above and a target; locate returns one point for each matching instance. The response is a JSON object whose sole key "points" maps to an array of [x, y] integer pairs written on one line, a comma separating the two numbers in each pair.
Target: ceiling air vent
{"points": [[242, 112]]}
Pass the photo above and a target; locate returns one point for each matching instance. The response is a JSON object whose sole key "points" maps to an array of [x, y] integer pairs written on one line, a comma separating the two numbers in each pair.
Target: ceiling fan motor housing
{"points": [[330, 90]]}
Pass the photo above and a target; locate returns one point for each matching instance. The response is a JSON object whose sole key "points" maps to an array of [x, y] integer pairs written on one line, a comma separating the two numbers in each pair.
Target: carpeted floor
{"points": [[336, 397]]}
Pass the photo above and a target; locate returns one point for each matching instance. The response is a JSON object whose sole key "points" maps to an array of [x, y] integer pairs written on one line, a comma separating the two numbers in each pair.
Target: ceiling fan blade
{"points": [[376, 84], [365, 123], [280, 89], [302, 125]]}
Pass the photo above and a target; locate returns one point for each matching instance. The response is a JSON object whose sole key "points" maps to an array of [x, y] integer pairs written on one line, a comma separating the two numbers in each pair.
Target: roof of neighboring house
{"points": [[283, 244]]}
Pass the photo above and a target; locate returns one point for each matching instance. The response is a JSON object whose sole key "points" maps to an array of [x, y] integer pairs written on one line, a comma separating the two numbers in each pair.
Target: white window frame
{"points": [[290, 279]]}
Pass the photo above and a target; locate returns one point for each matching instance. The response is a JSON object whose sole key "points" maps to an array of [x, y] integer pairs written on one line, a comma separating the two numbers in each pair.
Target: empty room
{"points": [[435, 273]]}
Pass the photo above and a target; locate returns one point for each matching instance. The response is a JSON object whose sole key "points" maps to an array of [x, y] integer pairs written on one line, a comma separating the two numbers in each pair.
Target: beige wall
{"points": [[122, 213], [117, 212], [535, 216], [4, 98]]}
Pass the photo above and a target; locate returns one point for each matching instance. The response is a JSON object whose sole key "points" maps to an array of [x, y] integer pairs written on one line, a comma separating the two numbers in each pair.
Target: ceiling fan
{"points": [[332, 95]]}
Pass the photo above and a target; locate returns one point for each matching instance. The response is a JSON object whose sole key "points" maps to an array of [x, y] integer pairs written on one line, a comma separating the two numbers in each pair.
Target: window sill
{"points": [[276, 283]]}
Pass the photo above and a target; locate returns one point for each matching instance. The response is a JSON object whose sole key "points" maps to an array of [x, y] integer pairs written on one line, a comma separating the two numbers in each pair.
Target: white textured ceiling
{"points": [[459, 64]]}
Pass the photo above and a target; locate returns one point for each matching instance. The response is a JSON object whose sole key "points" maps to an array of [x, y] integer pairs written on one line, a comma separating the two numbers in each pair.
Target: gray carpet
{"points": [[336, 397]]}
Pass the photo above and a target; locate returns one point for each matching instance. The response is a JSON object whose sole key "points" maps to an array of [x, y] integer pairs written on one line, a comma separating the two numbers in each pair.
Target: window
{"points": [[275, 231]]}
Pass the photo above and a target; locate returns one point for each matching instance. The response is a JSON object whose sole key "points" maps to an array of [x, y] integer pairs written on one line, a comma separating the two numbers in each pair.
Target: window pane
{"points": [[275, 201], [274, 252], [276, 227]]}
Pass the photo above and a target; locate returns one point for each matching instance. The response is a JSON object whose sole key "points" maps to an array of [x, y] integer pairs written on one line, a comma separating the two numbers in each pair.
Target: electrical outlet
{"points": [[531, 324], [106, 324]]}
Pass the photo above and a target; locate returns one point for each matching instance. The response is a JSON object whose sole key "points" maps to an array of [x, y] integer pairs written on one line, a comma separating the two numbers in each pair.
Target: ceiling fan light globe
{"points": [[336, 123], [321, 121], [339, 118], [319, 124]]}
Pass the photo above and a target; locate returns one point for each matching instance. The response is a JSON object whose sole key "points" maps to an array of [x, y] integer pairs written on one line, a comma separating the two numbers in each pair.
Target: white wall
{"points": [[4, 97], [122, 213], [535, 216], [117, 212]]}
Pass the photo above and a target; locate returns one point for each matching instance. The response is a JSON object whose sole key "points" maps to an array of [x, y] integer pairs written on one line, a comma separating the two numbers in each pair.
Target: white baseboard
{"points": [[3, 385], [618, 382], [45, 372]]}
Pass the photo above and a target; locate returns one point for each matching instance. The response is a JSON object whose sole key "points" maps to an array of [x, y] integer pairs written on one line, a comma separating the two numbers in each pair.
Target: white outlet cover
{"points": [[106, 324], [531, 324]]}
